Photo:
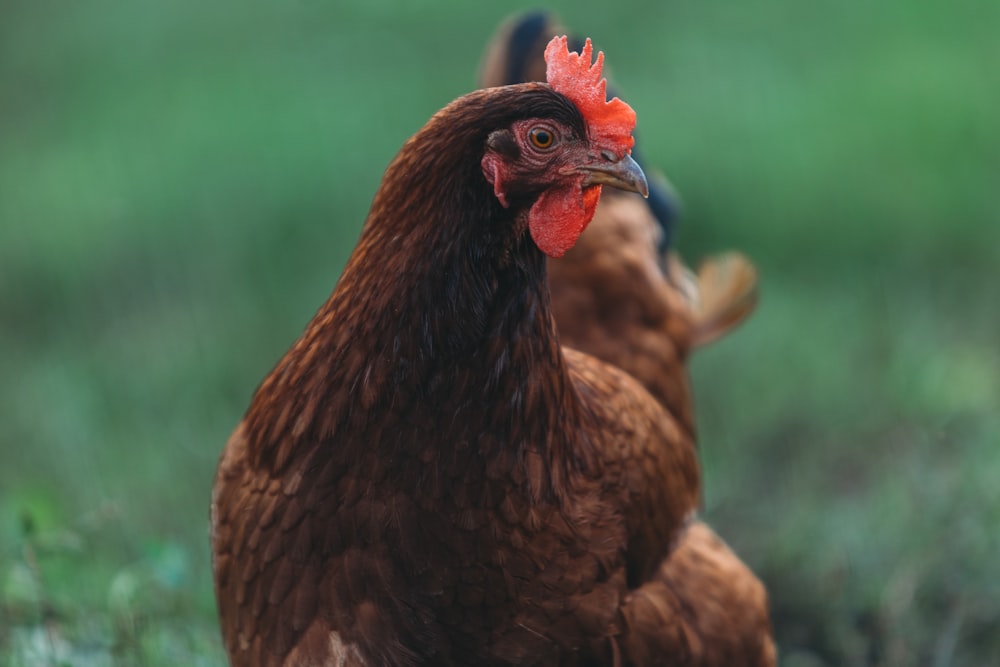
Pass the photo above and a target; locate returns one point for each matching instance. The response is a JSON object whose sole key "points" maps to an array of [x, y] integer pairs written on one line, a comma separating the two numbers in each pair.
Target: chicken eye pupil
{"points": [[541, 138]]}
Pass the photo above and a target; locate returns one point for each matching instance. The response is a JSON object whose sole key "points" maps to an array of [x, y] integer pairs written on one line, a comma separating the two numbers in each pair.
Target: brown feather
{"points": [[427, 476], [614, 297]]}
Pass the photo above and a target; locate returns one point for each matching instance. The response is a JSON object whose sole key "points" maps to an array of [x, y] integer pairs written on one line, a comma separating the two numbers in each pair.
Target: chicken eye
{"points": [[541, 137]]}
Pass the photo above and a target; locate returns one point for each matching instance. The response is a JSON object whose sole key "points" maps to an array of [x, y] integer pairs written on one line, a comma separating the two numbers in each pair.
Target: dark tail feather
{"points": [[526, 38]]}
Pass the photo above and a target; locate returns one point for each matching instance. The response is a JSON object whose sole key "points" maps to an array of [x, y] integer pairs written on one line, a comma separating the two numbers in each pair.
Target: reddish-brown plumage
{"points": [[615, 297], [427, 477]]}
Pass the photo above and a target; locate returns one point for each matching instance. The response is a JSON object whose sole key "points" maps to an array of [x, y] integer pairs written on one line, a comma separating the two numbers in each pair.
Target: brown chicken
{"points": [[621, 295], [427, 476]]}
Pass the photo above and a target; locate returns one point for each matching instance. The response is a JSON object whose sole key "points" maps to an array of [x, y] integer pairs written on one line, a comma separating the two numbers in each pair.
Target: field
{"points": [[181, 183]]}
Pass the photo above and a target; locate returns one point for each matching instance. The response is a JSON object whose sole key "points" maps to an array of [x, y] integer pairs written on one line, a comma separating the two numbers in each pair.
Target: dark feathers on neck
{"points": [[445, 296]]}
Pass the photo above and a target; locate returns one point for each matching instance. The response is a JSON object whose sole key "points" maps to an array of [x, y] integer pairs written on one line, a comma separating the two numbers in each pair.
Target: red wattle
{"points": [[560, 215]]}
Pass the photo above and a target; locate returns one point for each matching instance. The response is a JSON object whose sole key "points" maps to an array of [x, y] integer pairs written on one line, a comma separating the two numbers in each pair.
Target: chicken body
{"points": [[621, 295], [427, 476]]}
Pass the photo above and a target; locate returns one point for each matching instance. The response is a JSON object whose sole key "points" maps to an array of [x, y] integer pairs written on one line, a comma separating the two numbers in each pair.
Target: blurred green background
{"points": [[181, 183]]}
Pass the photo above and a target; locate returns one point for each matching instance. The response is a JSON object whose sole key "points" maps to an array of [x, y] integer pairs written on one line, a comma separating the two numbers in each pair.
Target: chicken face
{"points": [[548, 164]]}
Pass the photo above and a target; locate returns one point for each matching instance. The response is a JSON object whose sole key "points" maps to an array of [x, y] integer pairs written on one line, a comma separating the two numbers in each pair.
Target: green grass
{"points": [[181, 184]]}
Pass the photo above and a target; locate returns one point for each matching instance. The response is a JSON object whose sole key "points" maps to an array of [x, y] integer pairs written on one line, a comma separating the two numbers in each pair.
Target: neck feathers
{"points": [[442, 316]]}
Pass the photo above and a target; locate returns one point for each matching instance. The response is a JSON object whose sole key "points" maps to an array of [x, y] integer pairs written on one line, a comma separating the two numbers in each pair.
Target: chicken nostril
{"points": [[609, 156]]}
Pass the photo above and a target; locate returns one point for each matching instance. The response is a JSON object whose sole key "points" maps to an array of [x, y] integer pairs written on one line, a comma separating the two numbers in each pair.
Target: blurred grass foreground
{"points": [[180, 184]]}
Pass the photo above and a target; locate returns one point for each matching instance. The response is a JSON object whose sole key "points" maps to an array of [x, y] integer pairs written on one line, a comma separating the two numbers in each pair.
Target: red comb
{"points": [[608, 123]]}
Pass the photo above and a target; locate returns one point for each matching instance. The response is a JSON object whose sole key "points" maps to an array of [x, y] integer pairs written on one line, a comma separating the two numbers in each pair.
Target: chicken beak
{"points": [[625, 174]]}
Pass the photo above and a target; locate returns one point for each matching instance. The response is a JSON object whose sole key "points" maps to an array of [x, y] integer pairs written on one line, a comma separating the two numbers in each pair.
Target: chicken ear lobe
{"points": [[491, 166], [559, 216], [501, 149]]}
